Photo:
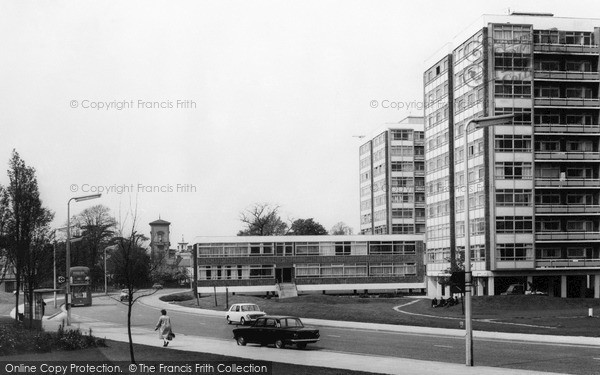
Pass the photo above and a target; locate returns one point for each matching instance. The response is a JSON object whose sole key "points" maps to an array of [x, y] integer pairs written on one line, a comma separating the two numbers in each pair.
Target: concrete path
{"points": [[322, 358]]}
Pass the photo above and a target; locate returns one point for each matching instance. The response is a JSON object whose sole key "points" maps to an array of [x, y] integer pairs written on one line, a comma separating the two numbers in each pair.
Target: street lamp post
{"points": [[479, 123], [105, 274], [54, 261], [54, 248], [68, 269], [105, 280]]}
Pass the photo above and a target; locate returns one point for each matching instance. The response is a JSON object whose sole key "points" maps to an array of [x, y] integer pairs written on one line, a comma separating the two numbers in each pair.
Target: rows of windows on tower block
{"points": [[537, 178]]}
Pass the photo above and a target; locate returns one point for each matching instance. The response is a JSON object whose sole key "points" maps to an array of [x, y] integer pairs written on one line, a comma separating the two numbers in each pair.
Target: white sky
{"points": [[280, 89]]}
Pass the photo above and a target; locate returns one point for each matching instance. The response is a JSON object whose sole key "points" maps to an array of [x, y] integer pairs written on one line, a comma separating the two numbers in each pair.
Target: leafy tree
{"points": [[262, 219], [99, 227], [27, 228], [166, 270], [341, 229], [307, 227], [457, 264], [457, 273], [37, 267], [5, 264]]}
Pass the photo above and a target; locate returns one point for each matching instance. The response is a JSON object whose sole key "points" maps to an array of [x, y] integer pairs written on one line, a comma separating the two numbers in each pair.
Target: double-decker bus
{"points": [[81, 286]]}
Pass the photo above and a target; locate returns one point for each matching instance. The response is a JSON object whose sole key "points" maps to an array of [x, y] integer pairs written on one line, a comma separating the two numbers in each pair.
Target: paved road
{"points": [[516, 354]]}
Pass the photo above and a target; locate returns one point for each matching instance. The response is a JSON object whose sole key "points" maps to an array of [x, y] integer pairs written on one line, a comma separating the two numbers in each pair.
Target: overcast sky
{"points": [[276, 92]]}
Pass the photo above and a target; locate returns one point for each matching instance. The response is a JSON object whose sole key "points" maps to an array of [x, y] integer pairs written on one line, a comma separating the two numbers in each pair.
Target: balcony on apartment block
{"points": [[567, 102], [512, 264], [567, 128], [567, 182], [567, 209], [567, 236], [567, 155], [584, 49], [567, 263], [568, 75]]}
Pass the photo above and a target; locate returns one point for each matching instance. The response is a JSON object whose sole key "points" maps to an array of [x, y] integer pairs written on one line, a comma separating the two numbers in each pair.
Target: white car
{"points": [[244, 313], [124, 296]]}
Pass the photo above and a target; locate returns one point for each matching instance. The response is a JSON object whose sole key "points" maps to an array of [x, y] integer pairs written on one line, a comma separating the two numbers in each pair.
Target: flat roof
{"points": [[539, 21], [326, 238], [416, 123]]}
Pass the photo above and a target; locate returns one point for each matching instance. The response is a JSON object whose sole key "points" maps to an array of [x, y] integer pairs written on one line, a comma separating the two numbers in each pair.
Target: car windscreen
{"points": [[250, 308]]}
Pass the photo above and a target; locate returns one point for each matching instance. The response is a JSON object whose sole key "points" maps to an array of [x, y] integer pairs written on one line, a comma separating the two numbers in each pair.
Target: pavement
{"points": [[322, 358]]}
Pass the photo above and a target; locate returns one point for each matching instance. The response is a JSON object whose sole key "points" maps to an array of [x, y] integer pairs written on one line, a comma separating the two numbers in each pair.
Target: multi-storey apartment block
{"points": [[534, 183], [392, 180]]}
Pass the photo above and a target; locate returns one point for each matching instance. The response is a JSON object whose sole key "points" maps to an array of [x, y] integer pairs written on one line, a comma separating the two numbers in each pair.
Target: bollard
{"points": [[590, 312]]}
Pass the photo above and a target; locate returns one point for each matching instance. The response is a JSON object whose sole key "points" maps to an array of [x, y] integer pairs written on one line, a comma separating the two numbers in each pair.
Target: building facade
{"points": [[333, 264], [533, 184], [392, 180]]}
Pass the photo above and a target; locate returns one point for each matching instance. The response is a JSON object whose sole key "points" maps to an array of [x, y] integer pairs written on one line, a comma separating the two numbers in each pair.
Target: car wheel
{"points": [[242, 321], [241, 341], [301, 345], [279, 344], [228, 320]]}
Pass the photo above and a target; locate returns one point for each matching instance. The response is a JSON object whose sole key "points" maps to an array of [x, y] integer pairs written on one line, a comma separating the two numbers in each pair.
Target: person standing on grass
{"points": [[164, 327]]}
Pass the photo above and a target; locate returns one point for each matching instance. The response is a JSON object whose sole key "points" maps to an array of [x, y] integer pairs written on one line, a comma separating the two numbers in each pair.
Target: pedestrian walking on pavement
{"points": [[163, 327]]}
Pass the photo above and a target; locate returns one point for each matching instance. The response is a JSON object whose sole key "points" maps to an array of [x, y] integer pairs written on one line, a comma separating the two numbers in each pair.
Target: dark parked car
{"points": [[277, 330], [514, 289]]}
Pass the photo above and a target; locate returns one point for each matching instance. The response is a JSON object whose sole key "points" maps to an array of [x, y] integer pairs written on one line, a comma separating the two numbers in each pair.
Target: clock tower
{"points": [[159, 237]]}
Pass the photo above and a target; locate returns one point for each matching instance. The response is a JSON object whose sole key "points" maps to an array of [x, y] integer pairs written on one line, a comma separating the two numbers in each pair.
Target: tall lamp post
{"points": [[68, 269], [105, 278], [480, 122], [54, 261], [54, 267], [106, 270]]}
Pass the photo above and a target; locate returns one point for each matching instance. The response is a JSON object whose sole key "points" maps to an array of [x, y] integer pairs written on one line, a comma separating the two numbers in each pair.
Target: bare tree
{"points": [[341, 229], [262, 219], [131, 267]]}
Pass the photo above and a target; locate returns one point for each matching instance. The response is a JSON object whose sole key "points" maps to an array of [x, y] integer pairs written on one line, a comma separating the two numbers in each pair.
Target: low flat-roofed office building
{"points": [[303, 264]]}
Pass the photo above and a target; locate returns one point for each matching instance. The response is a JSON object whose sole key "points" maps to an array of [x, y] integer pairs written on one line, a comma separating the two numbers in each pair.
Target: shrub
{"points": [[177, 297], [16, 339], [43, 342], [73, 339]]}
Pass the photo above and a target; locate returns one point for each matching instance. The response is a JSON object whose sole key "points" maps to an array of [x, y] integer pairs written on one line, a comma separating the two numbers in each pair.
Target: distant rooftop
{"points": [[412, 120], [160, 222], [417, 123], [531, 14]]}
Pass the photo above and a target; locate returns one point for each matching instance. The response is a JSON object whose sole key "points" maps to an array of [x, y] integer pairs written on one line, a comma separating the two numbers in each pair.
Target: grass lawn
{"points": [[518, 313], [119, 351]]}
